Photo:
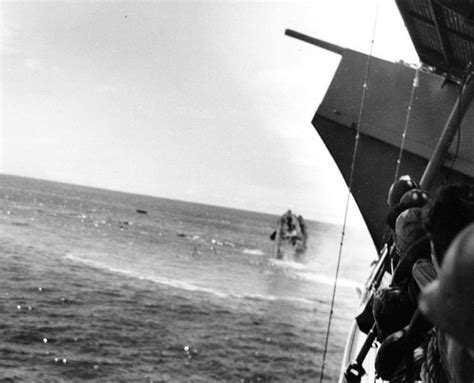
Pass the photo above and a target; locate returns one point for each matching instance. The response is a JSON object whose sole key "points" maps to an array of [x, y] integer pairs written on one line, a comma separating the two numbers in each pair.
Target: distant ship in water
{"points": [[290, 237]]}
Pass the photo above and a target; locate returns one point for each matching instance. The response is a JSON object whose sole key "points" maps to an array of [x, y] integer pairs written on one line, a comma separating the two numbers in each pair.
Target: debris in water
{"points": [[45, 340], [123, 224]]}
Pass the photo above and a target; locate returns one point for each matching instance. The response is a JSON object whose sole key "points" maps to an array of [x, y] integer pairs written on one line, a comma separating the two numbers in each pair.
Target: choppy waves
{"points": [[185, 293]]}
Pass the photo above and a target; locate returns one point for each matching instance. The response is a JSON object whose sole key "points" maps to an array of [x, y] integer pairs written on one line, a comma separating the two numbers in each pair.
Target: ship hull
{"points": [[382, 124], [383, 120]]}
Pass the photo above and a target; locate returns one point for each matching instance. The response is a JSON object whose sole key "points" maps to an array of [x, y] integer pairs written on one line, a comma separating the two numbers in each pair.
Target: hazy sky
{"points": [[198, 101]]}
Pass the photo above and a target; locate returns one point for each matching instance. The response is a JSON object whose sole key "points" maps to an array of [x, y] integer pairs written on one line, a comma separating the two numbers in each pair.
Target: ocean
{"points": [[92, 289]]}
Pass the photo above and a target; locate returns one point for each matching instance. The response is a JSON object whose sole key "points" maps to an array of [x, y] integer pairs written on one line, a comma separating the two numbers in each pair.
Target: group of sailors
{"points": [[425, 318]]}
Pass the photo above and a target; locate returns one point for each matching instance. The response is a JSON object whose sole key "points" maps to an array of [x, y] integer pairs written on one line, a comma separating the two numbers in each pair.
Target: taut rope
{"points": [[416, 82], [354, 155]]}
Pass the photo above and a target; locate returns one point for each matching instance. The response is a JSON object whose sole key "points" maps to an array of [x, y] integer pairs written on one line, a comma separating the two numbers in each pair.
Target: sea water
{"points": [[91, 289]]}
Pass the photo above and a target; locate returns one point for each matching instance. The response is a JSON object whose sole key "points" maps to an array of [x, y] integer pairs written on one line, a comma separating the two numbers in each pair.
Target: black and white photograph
{"points": [[237, 191]]}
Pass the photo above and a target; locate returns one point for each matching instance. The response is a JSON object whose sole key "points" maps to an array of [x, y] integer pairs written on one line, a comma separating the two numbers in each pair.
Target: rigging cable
{"points": [[354, 155], [416, 82], [458, 130], [458, 137]]}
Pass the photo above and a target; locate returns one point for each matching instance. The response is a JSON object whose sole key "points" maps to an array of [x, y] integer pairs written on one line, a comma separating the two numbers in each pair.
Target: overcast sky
{"points": [[197, 101]]}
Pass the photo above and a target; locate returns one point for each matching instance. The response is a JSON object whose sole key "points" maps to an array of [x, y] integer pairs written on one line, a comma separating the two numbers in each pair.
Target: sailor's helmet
{"points": [[399, 188], [413, 198]]}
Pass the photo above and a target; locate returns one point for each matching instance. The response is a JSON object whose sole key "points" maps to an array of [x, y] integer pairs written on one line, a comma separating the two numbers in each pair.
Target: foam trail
{"points": [[185, 285], [160, 280]]}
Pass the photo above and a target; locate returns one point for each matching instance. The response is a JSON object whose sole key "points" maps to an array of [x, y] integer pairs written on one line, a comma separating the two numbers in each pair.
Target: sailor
{"points": [[392, 310], [403, 194], [449, 213], [449, 303], [412, 243], [412, 198], [400, 353], [411, 240]]}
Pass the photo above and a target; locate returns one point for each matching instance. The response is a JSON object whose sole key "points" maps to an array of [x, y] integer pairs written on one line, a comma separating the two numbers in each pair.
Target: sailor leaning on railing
{"points": [[425, 319]]}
